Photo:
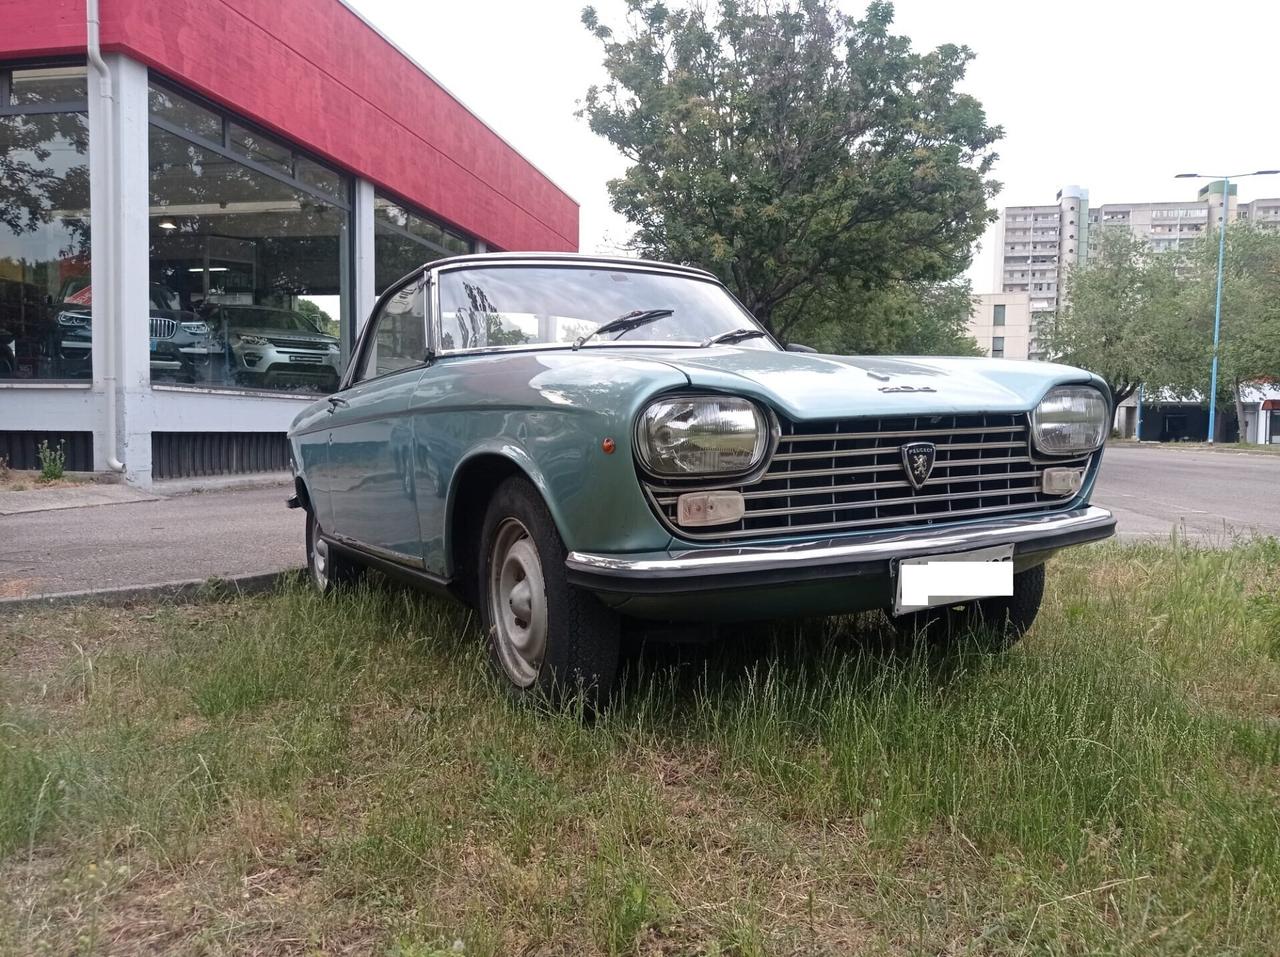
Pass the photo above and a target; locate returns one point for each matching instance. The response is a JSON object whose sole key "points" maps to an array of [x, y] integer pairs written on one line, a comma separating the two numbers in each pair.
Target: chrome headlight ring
{"points": [[704, 437], [1071, 420]]}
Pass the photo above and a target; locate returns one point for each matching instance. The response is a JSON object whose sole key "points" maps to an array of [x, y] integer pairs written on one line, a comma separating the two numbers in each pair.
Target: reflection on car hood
{"points": [[812, 386]]}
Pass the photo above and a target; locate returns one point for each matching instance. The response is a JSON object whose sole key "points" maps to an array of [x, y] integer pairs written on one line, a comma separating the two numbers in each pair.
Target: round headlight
{"points": [[704, 435], [1070, 419]]}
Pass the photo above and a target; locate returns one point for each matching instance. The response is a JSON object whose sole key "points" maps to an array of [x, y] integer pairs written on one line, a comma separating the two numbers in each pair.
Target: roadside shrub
{"points": [[52, 461]]}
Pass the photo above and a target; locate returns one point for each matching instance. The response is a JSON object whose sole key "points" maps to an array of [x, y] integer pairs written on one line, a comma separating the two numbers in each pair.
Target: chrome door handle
{"points": [[336, 402]]}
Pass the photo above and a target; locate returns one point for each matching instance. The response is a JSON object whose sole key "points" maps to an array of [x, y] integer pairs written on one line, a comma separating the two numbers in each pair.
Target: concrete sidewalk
{"points": [[155, 540]]}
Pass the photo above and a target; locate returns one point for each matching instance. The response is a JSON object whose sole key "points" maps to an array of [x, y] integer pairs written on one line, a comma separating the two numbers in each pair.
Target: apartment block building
{"points": [[1039, 245]]}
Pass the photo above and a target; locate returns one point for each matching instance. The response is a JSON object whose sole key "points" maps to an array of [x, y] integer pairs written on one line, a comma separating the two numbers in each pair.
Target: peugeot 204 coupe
{"points": [[568, 442]]}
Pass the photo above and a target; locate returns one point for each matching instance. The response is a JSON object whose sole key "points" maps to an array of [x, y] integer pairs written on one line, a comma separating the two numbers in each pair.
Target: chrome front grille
{"points": [[848, 474], [163, 328]]}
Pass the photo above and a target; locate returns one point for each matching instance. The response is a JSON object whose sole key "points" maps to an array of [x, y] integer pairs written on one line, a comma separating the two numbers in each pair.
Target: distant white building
{"points": [[1001, 324]]}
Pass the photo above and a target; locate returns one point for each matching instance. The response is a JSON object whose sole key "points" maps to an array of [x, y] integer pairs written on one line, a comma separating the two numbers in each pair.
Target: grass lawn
{"points": [[285, 774]]}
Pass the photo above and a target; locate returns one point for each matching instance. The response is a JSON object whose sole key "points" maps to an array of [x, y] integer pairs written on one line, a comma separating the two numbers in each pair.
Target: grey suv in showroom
{"points": [[275, 348]]}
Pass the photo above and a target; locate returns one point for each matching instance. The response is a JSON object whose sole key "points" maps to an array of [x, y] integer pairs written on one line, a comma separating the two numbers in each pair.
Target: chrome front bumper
{"points": [[812, 560]]}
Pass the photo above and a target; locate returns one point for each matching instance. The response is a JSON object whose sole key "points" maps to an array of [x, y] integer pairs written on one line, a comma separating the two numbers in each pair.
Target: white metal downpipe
{"points": [[105, 320]]}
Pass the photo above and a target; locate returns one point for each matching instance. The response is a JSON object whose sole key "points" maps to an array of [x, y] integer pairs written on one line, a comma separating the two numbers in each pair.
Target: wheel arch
{"points": [[304, 495], [474, 482]]}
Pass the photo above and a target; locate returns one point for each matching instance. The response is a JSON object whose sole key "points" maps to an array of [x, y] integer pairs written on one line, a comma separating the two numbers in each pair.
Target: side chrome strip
{"points": [[1090, 522], [386, 554]]}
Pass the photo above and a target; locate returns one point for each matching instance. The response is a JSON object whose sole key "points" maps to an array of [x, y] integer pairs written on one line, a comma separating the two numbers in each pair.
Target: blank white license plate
{"points": [[933, 580]]}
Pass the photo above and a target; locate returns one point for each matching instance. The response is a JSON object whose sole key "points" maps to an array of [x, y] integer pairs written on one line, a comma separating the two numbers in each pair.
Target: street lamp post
{"points": [[1222, 254]]}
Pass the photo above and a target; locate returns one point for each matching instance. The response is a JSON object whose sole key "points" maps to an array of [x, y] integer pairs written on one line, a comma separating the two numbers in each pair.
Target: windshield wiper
{"points": [[733, 335], [640, 317]]}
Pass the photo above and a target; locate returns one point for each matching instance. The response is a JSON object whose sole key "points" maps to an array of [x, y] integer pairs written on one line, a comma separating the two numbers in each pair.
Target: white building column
{"points": [[365, 293], [134, 212], [120, 265]]}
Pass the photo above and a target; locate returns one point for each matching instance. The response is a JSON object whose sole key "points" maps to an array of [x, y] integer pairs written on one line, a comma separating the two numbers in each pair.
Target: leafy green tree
{"points": [[810, 158], [321, 319], [1249, 350], [1121, 319], [901, 319]]}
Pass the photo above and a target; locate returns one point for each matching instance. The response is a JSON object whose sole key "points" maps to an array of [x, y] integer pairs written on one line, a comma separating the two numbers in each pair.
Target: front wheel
{"points": [[326, 569], [546, 638], [995, 624]]}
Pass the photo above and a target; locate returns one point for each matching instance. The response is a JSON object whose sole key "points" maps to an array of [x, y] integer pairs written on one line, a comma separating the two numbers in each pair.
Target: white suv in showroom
{"points": [[276, 348]]}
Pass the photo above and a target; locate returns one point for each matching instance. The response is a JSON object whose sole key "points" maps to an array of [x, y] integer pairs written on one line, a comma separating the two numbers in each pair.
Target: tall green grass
{"points": [[1109, 785]]}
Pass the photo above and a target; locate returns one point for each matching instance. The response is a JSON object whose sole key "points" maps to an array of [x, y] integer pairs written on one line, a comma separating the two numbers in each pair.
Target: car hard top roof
{"points": [[576, 259]]}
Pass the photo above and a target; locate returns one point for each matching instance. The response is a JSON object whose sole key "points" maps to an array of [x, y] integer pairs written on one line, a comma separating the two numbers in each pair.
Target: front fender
{"points": [[548, 417]]}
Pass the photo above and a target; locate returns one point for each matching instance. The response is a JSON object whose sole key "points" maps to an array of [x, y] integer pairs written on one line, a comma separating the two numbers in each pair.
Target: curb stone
{"points": [[188, 590]]}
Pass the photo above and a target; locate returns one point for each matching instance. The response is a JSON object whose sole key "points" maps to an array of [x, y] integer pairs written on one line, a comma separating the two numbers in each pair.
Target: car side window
{"points": [[399, 337]]}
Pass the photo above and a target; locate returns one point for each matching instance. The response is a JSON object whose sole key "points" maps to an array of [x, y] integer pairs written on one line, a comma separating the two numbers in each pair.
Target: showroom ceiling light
{"points": [[207, 269], [167, 224]]}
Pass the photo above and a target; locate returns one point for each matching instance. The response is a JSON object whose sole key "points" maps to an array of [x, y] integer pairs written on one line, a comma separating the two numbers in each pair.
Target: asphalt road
{"points": [[198, 536], [1213, 496]]}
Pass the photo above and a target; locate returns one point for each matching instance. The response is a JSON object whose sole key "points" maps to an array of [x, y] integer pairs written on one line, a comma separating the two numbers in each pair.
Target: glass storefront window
{"points": [[184, 114], [62, 84], [404, 240], [312, 174], [45, 323], [261, 149], [248, 264]]}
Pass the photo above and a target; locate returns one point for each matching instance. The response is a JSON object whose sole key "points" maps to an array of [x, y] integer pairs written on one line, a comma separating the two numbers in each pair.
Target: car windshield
{"points": [[490, 306], [243, 317]]}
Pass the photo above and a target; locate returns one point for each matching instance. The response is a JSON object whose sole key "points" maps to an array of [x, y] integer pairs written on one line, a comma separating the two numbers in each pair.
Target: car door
{"points": [[370, 462]]}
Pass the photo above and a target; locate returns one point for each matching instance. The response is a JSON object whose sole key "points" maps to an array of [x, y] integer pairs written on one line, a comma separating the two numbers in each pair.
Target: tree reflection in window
{"points": [[45, 331]]}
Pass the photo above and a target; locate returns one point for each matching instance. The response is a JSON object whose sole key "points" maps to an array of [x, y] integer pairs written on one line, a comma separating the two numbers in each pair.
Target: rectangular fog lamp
{"points": [[709, 508], [1062, 481]]}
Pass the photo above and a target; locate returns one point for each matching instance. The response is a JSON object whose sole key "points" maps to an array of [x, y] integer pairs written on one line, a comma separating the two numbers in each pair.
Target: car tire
{"points": [[991, 624], [547, 640], [327, 570]]}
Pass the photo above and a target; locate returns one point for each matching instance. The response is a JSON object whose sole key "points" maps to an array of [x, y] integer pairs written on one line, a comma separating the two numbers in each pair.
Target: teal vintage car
{"points": [[567, 442]]}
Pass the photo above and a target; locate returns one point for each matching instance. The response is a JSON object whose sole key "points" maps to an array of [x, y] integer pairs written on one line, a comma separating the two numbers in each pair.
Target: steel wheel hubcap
{"points": [[319, 559], [518, 602]]}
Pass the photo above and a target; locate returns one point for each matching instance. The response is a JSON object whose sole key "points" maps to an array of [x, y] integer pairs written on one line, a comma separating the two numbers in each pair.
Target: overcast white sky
{"points": [[1112, 95]]}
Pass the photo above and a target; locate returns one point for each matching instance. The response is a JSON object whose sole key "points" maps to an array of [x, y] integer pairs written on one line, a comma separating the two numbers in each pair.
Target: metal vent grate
{"points": [[200, 454], [847, 475], [21, 449]]}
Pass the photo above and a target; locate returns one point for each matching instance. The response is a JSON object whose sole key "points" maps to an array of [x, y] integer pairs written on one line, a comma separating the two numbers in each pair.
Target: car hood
{"points": [[812, 386]]}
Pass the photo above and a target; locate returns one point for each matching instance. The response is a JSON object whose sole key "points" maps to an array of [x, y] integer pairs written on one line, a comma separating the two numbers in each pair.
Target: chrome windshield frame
{"points": [[567, 261]]}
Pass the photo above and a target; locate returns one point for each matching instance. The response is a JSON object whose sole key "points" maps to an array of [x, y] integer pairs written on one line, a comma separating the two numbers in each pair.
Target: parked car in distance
{"points": [[276, 347], [566, 441]]}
